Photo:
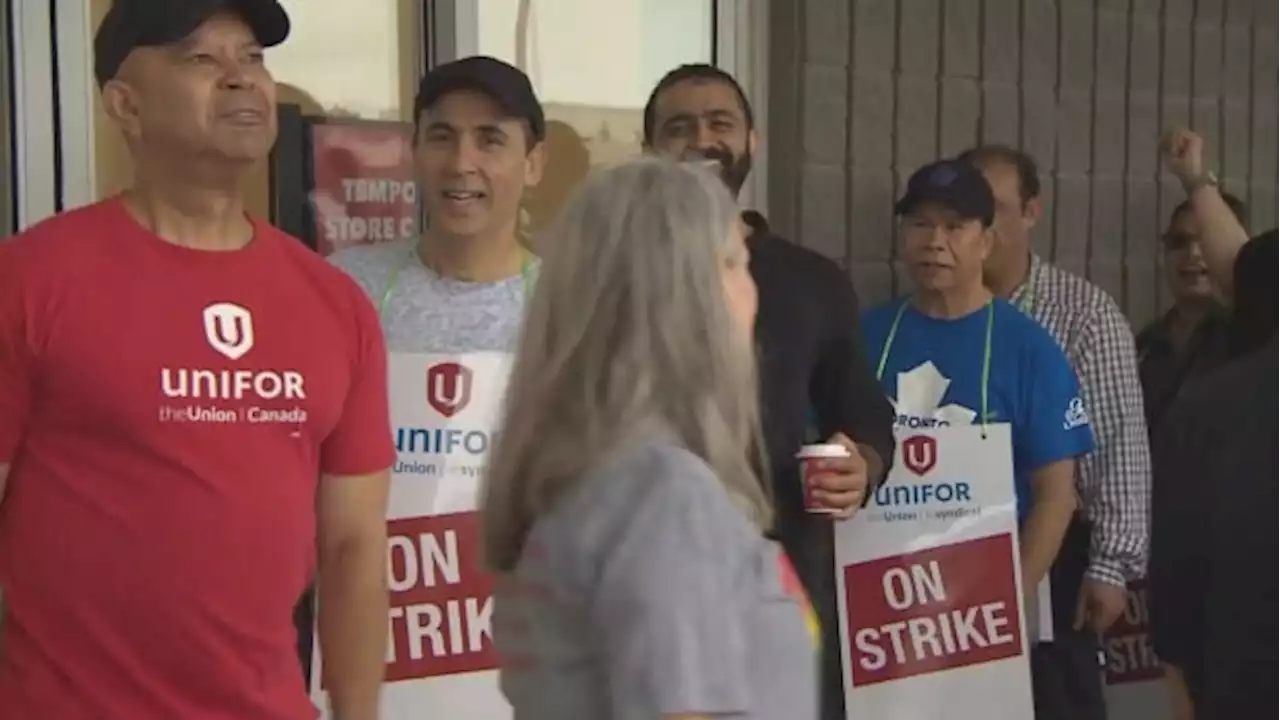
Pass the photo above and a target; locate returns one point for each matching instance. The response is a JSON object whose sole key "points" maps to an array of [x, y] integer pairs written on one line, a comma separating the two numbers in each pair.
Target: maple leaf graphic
{"points": [[920, 392]]}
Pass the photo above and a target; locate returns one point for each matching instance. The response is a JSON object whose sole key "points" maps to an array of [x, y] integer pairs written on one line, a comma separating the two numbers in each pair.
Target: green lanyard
{"points": [[526, 277], [986, 356]]}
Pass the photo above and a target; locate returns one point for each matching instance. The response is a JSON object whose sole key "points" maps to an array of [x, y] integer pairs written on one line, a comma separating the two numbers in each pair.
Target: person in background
{"points": [[461, 288], [1253, 323], [1212, 592], [193, 413], [1254, 311], [1221, 230], [952, 334], [812, 362], [478, 146], [1193, 337], [1106, 547], [626, 524]]}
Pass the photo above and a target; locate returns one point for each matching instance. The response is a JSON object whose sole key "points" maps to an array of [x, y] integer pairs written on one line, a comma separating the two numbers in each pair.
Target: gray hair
{"points": [[628, 328]]}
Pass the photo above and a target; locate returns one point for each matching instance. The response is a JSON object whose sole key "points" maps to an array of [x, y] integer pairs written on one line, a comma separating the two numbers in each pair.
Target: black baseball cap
{"points": [[131, 24], [506, 84], [956, 184]]}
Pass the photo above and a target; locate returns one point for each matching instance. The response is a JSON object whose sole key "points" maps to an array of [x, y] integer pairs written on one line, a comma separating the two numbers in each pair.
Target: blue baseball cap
{"points": [[955, 184]]}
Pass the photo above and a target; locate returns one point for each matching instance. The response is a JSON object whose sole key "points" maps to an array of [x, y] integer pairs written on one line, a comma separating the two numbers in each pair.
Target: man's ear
{"points": [[534, 164], [988, 242], [120, 103], [754, 142], [1031, 212]]}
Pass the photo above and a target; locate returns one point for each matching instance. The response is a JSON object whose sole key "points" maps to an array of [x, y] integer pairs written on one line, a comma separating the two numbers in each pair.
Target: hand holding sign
{"points": [[1099, 605], [841, 483]]}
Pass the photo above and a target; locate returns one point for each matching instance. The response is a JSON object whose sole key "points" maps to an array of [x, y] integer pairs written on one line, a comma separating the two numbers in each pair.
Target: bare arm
{"points": [[1221, 234], [352, 532], [1179, 696], [351, 529], [1051, 511]]}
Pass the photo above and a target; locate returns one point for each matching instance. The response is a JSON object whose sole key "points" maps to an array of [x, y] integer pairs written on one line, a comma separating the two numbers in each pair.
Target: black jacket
{"points": [[812, 360], [1212, 570]]}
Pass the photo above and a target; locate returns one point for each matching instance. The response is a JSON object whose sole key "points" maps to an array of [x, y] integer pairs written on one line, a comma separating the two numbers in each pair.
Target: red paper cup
{"points": [[811, 458]]}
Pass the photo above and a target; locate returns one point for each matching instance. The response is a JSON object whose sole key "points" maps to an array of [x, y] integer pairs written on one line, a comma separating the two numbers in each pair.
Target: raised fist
{"points": [[1183, 150]]}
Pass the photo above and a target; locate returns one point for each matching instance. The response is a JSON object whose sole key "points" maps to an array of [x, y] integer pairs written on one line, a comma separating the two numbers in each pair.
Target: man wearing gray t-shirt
{"points": [[478, 144], [461, 287]]}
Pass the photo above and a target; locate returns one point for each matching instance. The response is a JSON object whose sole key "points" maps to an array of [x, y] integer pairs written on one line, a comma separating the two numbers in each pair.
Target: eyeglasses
{"points": [[1175, 241]]}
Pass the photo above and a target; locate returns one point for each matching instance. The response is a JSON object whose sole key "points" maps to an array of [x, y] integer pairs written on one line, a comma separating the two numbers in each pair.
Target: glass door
{"points": [[7, 184]]}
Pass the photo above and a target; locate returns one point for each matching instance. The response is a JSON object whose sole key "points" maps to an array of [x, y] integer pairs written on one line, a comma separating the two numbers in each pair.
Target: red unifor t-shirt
{"points": [[167, 413]]}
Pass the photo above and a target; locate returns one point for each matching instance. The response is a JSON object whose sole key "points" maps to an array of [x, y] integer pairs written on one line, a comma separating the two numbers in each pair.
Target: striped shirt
{"points": [[1115, 480]]}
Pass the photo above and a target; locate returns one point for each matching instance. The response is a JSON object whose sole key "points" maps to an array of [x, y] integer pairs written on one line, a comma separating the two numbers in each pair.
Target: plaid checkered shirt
{"points": [[1114, 481]]}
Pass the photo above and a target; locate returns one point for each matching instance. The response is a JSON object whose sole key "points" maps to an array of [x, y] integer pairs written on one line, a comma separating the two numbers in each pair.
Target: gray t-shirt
{"points": [[422, 311], [647, 593]]}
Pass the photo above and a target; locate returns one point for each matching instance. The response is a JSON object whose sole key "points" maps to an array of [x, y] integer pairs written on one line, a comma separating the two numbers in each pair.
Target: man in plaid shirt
{"points": [[1106, 546]]}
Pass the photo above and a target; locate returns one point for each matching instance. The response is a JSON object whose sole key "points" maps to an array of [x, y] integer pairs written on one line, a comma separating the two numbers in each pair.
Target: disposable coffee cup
{"points": [[811, 458]]}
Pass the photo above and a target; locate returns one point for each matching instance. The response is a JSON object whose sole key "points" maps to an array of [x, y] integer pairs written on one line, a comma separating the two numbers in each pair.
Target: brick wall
{"points": [[861, 92]]}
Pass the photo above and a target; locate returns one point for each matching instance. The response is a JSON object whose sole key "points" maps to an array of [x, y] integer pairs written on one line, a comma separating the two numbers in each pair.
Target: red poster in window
{"points": [[362, 185]]}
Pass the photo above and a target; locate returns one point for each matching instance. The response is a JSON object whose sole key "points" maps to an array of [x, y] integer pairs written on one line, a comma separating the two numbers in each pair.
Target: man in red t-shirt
{"points": [[193, 414]]}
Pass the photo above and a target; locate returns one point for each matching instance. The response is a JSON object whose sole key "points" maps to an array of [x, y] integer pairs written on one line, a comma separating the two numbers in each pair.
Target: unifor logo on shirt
{"points": [[229, 329], [222, 390], [1075, 416]]}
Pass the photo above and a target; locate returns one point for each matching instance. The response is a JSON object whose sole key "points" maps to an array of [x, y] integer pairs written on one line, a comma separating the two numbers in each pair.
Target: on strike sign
{"points": [[441, 600], [1135, 685], [440, 655], [362, 185], [939, 609], [931, 606]]}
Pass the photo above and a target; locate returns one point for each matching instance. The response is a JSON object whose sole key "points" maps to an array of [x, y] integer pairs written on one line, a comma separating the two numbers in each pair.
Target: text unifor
{"points": [[208, 384], [438, 627], [936, 635], [442, 441]]}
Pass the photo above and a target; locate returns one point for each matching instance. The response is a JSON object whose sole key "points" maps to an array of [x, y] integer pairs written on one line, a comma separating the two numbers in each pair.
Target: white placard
{"points": [[930, 595], [440, 656]]}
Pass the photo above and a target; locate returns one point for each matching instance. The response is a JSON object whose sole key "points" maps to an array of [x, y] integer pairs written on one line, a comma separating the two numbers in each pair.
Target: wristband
{"points": [[1190, 185]]}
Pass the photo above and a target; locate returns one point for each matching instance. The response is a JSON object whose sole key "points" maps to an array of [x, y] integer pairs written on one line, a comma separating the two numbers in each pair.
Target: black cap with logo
{"points": [[504, 83], [955, 184], [131, 24]]}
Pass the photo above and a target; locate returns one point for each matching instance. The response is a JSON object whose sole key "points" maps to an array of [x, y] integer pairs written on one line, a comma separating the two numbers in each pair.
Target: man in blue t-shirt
{"points": [[951, 353]]}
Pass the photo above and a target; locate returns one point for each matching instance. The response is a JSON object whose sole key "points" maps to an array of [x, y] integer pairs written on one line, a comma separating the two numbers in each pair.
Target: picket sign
{"points": [[932, 622], [1135, 689], [440, 656]]}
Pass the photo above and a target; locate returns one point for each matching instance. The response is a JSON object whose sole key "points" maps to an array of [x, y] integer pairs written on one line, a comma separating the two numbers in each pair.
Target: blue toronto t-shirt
{"points": [[933, 376]]}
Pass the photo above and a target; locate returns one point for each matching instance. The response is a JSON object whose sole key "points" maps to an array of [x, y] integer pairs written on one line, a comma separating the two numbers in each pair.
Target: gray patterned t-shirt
{"points": [[422, 311], [645, 593]]}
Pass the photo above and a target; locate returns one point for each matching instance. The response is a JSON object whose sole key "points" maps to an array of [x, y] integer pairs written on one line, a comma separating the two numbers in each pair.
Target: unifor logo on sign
{"points": [[229, 329], [448, 388], [920, 453]]}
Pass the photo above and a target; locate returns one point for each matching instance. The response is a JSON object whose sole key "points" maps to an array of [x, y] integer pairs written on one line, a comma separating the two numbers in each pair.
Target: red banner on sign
{"points": [[938, 609], [1130, 655], [363, 191], [441, 600]]}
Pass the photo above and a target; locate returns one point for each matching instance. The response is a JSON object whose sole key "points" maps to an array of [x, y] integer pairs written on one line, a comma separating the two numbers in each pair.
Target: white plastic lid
{"points": [[823, 450]]}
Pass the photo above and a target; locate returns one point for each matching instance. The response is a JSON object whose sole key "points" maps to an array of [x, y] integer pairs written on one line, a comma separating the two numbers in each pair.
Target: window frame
{"points": [[8, 181]]}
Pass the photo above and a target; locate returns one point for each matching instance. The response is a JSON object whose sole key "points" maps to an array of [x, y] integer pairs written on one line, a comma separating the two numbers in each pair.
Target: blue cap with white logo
{"points": [[955, 184]]}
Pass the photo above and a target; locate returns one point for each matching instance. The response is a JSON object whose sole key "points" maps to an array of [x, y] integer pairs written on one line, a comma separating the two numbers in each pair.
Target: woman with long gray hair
{"points": [[623, 513]]}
